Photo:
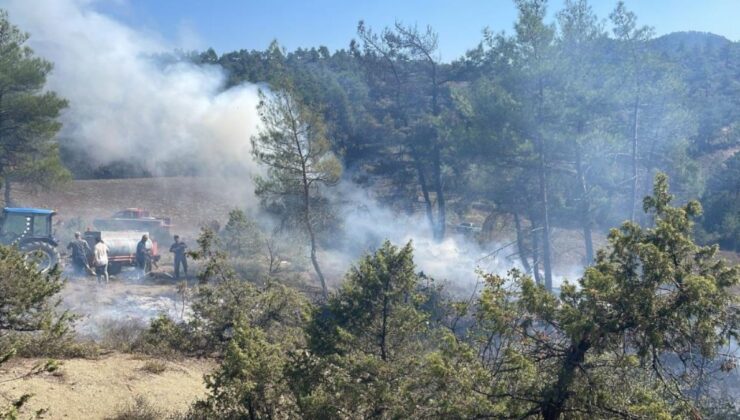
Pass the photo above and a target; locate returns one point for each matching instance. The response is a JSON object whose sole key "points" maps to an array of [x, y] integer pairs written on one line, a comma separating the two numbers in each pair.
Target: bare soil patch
{"points": [[95, 389]]}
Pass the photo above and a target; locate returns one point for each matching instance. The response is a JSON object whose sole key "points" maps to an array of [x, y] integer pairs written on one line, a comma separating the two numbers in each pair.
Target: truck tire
{"points": [[43, 254]]}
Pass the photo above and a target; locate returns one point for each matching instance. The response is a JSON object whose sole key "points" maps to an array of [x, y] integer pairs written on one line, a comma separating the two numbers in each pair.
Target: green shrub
{"points": [[30, 322], [164, 337]]}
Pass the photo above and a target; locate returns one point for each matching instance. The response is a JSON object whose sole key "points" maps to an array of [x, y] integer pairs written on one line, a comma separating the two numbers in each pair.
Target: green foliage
{"points": [[29, 114], [164, 337], [650, 313], [294, 147], [250, 381], [27, 303], [293, 144], [721, 202], [366, 342], [219, 302], [409, 101], [255, 252], [29, 320], [241, 236], [638, 335], [375, 310]]}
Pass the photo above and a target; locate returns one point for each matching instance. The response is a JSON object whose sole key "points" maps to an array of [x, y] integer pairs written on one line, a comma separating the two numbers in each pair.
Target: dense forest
{"points": [[577, 123]]}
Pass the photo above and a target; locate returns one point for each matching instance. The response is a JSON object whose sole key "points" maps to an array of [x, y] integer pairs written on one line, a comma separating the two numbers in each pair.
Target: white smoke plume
{"points": [[453, 261], [127, 105]]}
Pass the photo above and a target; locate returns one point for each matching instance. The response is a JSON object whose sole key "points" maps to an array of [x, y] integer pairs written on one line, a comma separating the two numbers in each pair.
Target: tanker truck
{"points": [[122, 247], [136, 219]]}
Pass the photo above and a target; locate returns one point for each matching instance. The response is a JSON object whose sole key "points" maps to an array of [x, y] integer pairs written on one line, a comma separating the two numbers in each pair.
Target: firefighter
{"points": [[101, 260], [143, 254], [178, 248], [80, 255]]}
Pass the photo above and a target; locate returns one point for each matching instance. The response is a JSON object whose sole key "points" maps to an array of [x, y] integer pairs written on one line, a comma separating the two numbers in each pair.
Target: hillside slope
{"points": [[190, 202]]}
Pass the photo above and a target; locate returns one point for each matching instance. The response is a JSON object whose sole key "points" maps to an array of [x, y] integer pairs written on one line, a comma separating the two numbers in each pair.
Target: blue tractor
{"points": [[30, 230]]}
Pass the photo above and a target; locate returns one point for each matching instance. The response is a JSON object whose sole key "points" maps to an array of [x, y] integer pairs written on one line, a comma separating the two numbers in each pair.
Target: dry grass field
{"points": [[190, 202]]}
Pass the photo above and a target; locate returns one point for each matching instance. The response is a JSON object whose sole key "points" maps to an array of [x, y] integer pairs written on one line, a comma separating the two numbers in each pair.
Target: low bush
{"points": [[139, 409], [122, 335], [165, 338], [156, 367]]}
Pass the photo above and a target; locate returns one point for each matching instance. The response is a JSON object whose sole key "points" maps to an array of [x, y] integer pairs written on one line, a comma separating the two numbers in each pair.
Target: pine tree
{"points": [[293, 145], [28, 115]]}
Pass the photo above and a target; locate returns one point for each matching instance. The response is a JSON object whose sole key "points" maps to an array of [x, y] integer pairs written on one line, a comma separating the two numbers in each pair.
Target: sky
{"points": [[228, 25]]}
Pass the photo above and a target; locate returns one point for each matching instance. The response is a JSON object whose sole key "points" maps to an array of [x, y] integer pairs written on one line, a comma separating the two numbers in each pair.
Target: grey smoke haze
{"points": [[127, 105]]}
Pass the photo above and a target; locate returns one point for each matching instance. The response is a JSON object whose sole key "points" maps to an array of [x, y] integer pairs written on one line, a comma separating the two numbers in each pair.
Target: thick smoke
{"points": [[453, 261], [129, 104]]}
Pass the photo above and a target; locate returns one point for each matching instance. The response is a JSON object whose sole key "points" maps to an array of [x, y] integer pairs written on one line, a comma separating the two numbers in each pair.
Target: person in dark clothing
{"points": [[178, 248], [80, 255], [143, 254]]}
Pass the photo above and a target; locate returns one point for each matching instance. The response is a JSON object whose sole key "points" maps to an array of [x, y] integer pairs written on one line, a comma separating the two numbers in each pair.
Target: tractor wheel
{"points": [[43, 254], [114, 268]]}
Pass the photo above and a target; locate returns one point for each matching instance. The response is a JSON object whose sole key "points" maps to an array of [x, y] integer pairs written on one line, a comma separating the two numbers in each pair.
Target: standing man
{"points": [[101, 260], [80, 254], [143, 250], [179, 248]]}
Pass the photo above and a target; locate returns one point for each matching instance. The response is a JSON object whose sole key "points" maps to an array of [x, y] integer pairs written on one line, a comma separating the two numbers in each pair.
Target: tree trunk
{"points": [[439, 233], [384, 327], [633, 198], [556, 397], [542, 175], [546, 253], [535, 250], [648, 180], [585, 208], [6, 193], [315, 262], [523, 254], [428, 206], [307, 218]]}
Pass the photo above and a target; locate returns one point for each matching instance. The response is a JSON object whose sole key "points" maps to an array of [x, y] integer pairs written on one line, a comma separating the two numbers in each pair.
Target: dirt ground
{"points": [[189, 202], [96, 389]]}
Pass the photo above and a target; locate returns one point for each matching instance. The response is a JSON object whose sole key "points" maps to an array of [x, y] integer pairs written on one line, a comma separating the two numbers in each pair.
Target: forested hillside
{"points": [[560, 123]]}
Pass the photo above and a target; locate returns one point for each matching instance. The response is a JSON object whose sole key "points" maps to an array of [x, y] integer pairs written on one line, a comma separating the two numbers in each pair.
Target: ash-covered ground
{"points": [[124, 300]]}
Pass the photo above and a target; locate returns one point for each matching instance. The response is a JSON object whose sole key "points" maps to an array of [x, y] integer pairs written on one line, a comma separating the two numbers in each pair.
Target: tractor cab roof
{"points": [[28, 210]]}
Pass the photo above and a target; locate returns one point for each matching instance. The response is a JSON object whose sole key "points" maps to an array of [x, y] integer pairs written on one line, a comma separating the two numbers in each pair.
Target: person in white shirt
{"points": [[101, 260]]}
